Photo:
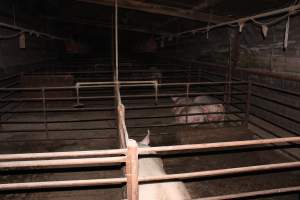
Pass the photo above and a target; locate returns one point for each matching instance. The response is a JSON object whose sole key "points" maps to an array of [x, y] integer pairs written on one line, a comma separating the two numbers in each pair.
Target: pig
{"points": [[188, 110], [153, 166], [211, 108]]}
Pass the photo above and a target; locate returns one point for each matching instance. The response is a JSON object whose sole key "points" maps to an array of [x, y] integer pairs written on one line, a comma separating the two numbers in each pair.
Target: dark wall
{"points": [[12, 57], [268, 53], [213, 46]]}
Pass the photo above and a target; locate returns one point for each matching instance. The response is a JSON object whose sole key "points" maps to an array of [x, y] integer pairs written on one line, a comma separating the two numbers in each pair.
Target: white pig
{"points": [[153, 166], [211, 108], [189, 110]]}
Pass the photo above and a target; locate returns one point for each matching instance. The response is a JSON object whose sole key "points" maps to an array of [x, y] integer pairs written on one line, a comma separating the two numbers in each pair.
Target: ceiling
{"points": [[154, 17]]}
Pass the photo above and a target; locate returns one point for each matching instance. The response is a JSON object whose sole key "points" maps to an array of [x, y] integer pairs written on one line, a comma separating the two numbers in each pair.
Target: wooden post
{"points": [[121, 131], [132, 171]]}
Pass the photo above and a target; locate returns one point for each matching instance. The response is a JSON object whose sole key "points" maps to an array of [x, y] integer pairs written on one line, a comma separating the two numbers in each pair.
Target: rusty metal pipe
{"points": [[254, 194], [65, 163], [59, 155], [61, 184], [220, 172]]}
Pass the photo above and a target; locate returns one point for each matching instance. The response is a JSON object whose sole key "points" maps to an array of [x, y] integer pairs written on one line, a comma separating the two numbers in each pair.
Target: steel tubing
{"points": [[61, 184], [60, 163], [221, 172], [254, 194], [146, 150], [56, 155]]}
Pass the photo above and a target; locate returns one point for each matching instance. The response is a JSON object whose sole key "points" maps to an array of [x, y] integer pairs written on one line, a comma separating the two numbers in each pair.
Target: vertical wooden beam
{"points": [[132, 170]]}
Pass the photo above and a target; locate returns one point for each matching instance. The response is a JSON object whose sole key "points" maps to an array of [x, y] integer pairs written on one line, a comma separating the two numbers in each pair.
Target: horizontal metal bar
{"points": [[112, 119], [146, 150], [61, 184], [65, 163], [57, 130], [254, 194], [277, 89], [113, 128], [113, 108], [295, 120], [275, 101], [9, 77], [204, 83], [108, 71], [182, 124], [123, 96], [295, 158], [275, 124], [220, 172], [73, 154], [161, 84]]}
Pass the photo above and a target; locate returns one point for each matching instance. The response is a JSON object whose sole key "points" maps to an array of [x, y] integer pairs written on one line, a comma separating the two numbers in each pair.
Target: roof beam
{"points": [[99, 24], [162, 10]]}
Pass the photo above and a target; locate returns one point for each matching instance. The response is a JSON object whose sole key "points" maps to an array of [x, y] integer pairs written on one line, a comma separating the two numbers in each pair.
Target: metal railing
{"points": [[151, 90], [129, 154]]}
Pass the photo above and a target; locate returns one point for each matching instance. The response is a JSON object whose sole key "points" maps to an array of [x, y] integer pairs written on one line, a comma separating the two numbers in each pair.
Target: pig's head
{"points": [[145, 141], [174, 99]]}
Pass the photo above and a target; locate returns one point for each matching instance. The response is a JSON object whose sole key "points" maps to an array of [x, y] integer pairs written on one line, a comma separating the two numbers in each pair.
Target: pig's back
{"points": [[159, 191]]}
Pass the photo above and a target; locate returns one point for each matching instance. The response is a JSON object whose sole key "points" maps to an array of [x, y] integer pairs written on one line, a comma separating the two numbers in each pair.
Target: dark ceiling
{"points": [[154, 17]]}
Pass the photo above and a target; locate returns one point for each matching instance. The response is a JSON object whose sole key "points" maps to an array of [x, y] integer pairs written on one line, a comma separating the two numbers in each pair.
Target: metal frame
{"points": [[110, 85], [129, 154]]}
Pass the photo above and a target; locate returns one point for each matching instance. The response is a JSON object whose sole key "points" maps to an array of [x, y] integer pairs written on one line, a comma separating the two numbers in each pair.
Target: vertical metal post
{"points": [[132, 171], [228, 87], [45, 112], [1, 113], [248, 104], [189, 74], [156, 92], [186, 102]]}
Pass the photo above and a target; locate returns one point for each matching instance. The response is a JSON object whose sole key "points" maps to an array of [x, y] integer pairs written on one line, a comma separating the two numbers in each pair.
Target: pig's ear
{"points": [[174, 99], [146, 140]]}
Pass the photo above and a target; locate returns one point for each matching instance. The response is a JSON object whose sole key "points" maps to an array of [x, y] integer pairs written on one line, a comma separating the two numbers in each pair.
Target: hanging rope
{"points": [[30, 31], [291, 10], [116, 43], [5, 37], [286, 36]]}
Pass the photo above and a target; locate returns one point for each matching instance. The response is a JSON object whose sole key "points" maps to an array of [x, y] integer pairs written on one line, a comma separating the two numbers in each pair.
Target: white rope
{"points": [[271, 22], [291, 10], [286, 36], [30, 31], [4, 37], [116, 43]]}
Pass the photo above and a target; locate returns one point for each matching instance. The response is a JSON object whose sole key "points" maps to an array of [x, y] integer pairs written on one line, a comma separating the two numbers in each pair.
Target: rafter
{"points": [[204, 5], [162, 10], [99, 24]]}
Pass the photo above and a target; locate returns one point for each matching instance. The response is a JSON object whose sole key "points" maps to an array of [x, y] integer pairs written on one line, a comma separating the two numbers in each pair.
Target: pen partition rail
{"points": [[129, 156]]}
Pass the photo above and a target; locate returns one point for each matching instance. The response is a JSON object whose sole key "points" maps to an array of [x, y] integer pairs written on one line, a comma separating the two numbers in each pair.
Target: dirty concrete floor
{"points": [[230, 158]]}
